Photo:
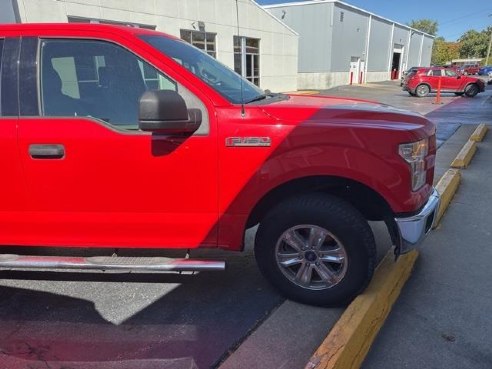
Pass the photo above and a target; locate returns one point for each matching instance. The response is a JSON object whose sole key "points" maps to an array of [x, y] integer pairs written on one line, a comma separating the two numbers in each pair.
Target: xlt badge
{"points": [[248, 141]]}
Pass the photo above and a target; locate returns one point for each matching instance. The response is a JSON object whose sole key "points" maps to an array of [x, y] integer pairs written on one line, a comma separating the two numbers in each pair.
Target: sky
{"points": [[453, 16]]}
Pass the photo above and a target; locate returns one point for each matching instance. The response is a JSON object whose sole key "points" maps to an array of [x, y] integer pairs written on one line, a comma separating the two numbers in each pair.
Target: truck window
{"points": [[225, 81], [96, 79]]}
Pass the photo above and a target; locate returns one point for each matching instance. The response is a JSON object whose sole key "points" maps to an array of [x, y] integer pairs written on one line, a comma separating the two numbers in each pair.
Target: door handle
{"points": [[46, 151]]}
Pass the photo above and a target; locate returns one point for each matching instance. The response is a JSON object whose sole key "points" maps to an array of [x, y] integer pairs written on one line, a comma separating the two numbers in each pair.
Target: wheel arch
{"points": [[469, 84], [366, 200]]}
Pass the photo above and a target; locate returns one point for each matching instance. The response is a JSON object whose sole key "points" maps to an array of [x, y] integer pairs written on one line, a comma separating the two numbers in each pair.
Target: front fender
{"points": [[389, 178]]}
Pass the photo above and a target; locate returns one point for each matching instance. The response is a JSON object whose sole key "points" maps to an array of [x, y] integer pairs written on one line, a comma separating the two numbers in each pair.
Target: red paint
{"points": [[111, 190]]}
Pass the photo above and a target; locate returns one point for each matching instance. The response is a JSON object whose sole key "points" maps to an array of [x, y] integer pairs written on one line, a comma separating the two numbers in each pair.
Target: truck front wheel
{"points": [[316, 249]]}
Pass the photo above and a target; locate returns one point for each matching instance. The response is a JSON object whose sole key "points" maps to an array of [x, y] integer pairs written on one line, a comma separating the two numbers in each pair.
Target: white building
{"points": [[341, 44], [265, 51]]}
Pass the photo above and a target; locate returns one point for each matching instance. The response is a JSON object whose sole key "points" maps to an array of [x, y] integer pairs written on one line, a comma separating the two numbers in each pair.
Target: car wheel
{"points": [[316, 249], [422, 90], [471, 90]]}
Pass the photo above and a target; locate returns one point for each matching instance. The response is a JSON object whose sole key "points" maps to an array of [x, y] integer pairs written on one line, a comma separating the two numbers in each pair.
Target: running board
{"points": [[146, 264]]}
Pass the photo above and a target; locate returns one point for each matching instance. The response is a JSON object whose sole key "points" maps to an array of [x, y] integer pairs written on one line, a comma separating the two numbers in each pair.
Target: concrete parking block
{"points": [[305, 92], [350, 339], [479, 133], [465, 156], [447, 187]]}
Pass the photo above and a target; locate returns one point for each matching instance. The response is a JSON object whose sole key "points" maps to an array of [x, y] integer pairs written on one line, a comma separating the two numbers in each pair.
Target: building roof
{"points": [[314, 2], [467, 60]]}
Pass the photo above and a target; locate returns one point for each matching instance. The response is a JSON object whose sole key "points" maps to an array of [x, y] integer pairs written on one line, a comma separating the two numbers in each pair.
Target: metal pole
{"points": [[368, 40]]}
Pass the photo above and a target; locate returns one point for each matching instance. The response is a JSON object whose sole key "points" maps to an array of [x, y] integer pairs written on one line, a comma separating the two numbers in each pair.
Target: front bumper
{"points": [[412, 230]]}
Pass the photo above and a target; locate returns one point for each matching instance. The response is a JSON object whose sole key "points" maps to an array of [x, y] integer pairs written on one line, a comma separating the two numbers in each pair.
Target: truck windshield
{"points": [[222, 79]]}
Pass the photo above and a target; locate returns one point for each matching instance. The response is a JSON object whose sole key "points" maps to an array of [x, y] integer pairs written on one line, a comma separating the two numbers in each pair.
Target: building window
{"points": [[247, 58], [203, 40]]}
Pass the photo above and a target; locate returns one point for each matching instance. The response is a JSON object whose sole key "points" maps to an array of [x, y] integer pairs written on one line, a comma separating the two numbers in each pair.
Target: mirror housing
{"points": [[165, 112]]}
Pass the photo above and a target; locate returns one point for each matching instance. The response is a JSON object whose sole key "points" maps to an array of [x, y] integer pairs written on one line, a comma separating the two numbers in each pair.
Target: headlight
{"points": [[414, 154]]}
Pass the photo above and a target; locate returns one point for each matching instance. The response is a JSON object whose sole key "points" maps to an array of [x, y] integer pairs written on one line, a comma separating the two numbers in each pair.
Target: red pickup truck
{"points": [[123, 138]]}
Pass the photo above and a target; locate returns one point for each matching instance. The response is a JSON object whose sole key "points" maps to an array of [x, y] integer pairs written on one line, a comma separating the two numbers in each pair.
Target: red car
{"points": [[425, 80], [119, 137], [471, 69]]}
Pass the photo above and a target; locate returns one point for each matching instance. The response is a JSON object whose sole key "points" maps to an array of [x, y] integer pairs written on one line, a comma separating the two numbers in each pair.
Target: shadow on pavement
{"points": [[191, 326]]}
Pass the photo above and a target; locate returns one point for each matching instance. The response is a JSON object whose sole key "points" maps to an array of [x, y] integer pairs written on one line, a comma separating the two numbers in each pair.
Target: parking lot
{"points": [[230, 319]]}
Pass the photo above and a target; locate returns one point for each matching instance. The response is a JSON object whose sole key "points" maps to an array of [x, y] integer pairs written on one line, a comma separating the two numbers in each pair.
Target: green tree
{"points": [[473, 44], [444, 52], [425, 25]]}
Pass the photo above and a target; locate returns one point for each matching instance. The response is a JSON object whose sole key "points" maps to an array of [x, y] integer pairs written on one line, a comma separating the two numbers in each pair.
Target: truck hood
{"points": [[335, 110]]}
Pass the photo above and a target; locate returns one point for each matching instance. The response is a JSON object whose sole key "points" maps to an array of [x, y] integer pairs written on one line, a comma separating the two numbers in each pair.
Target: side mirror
{"points": [[165, 112]]}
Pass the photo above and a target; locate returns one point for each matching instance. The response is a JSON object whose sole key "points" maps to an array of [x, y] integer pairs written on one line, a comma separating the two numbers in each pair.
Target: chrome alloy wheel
{"points": [[422, 90], [311, 257]]}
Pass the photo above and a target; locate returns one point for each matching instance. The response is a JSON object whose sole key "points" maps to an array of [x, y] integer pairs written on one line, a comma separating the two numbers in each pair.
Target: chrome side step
{"points": [[147, 264]]}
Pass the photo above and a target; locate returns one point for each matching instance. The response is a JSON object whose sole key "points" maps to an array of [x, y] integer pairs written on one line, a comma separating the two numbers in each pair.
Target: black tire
{"points": [[422, 90], [471, 90], [346, 235], [411, 93], [459, 93]]}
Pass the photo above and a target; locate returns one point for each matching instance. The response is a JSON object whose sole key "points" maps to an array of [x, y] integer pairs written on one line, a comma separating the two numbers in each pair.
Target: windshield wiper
{"points": [[263, 96], [257, 98]]}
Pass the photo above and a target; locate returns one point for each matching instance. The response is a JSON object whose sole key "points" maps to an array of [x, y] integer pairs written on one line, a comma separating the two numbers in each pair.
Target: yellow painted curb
{"points": [[447, 187], [479, 133], [465, 156], [350, 339], [301, 92]]}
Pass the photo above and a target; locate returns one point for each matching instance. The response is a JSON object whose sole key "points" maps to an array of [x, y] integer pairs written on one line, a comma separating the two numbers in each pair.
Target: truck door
{"points": [[12, 190], [93, 178]]}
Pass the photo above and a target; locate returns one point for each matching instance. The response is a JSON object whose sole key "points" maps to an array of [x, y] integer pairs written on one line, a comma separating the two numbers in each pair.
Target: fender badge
{"points": [[248, 142]]}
